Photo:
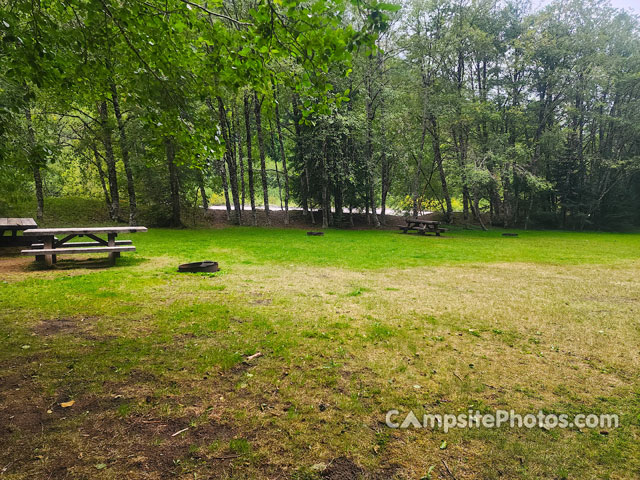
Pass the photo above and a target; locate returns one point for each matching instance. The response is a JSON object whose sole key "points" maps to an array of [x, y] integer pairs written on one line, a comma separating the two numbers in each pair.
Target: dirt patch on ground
{"points": [[75, 263], [56, 326], [26, 418], [26, 409], [18, 268], [97, 430], [23, 408], [342, 468], [81, 327], [262, 301], [22, 403], [94, 403], [156, 445], [14, 264]]}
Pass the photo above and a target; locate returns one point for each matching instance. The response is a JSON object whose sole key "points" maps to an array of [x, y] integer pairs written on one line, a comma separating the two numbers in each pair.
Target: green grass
{"points": [[367, 249], [347, 326]]}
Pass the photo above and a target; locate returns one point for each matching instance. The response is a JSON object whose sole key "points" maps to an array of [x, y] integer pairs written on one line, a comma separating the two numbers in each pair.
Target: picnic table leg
{"points": [[48, 244], [39, 258], [112, 243]]}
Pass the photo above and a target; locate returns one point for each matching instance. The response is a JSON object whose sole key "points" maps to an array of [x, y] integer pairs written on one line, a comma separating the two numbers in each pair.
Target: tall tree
{"points": [[257, 105]]}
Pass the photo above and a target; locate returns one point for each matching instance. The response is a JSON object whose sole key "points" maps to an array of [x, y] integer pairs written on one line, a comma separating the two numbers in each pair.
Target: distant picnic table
{"points": [[51, 245], [421, 226], [12, 226]]}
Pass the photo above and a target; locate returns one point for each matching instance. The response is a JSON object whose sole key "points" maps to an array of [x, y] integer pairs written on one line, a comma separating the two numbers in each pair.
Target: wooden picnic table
{"points": [[52, 245], [421, 226], [12, 226]]}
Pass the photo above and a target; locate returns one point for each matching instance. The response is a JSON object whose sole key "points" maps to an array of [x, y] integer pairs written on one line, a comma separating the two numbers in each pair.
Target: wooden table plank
{"points": [[18, 222], [85, 244], [71, 250], [82, 231], [422, 222], [11, 226]]}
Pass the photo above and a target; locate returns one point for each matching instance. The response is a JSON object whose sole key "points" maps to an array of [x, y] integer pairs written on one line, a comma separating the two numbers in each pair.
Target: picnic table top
{"points": [[417, 220], [17, 223], [82, 230]]}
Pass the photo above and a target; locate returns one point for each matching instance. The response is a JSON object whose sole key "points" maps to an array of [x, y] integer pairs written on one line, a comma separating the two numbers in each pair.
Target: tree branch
{"points": [[215, 14]]}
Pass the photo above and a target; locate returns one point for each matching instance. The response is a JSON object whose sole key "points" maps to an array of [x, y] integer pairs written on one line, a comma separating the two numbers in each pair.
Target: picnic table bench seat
{"points": [[85, 244], [72, 250]]}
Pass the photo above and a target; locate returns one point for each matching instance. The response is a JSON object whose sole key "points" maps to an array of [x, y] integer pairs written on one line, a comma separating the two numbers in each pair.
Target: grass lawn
{"points": [[349, 325]]}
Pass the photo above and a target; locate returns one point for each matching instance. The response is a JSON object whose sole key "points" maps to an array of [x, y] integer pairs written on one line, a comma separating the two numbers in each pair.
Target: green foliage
{"points": [[526, 117]]}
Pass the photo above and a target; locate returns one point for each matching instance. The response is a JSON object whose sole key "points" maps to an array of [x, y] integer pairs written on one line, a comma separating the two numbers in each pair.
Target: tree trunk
{"points": [[372, 193], [386, 185], [37, 179], [203, 193], [437, 156], [306, 177], [460, 136], [303, 194], [124, 149], [369, 159], [174, 183], [385, 173], [102, 176], [415, 184], [110, 159], [338, 200], [367, 205], [231, 160], [465, 199], [283, 156], [35, 165], [325, 187], [263, 166], [304, 184], [275, 162], [222, 171], [238, 138], [242, 185], [474, 203], [252, 190]]}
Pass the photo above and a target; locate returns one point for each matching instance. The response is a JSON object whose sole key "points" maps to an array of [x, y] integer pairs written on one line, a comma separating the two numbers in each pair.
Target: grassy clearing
{"points": [[349, 325]]}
